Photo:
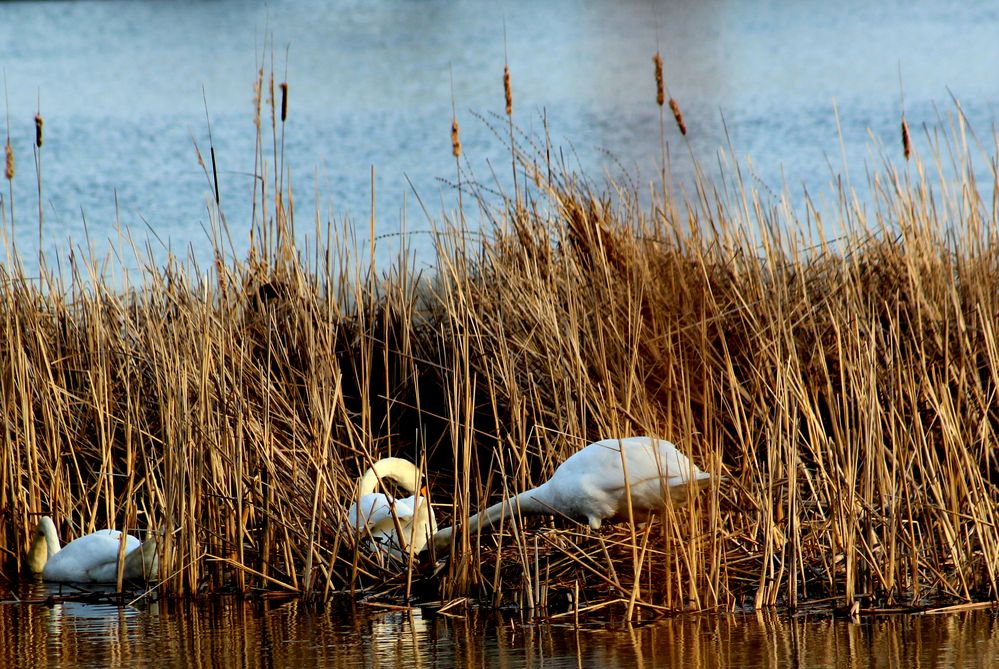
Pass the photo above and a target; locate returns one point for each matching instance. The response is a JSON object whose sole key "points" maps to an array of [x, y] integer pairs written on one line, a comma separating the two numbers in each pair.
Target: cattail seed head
{"points": [[906, 143], [284, 101], [9, 150], [658, 62], [675, 108], [455, 140], [506, 90], [39, 124]]}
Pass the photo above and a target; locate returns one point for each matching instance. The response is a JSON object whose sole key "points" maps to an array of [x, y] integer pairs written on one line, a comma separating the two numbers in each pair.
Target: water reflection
{"points": [[227, 631]]}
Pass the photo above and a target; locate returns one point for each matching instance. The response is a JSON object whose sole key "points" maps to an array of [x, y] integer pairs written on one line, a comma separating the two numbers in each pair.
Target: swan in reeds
{"points": [[393, 525], [594, 484], [90, 559]]}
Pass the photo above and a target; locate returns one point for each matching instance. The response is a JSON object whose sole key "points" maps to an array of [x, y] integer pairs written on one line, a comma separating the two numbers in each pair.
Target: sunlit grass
{"points": [[845, 388]]}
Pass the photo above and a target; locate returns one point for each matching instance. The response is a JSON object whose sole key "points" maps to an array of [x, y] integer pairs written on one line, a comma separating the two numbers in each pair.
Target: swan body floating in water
{"points": [[90, 559], [393, 525], [594, 484]]}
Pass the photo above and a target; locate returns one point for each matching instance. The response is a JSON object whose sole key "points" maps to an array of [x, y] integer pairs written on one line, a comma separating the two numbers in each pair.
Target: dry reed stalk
{"points": [[39, 138]]}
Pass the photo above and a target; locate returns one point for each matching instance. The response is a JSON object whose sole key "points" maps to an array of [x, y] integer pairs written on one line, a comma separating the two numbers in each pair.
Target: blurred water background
{"points": [[803, 93]]}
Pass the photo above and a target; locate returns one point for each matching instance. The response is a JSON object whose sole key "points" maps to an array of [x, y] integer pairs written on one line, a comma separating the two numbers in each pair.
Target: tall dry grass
{"points": [[847, 390]]}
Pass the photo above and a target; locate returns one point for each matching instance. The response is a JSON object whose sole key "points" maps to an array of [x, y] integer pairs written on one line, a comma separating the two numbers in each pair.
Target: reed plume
{"points": [[507, 92], [455, 139], [39, 123], [675, 108], [906, 144], [660, 93]]}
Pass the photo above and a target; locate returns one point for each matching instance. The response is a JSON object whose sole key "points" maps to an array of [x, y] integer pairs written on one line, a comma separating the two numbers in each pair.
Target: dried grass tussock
{"points": [[843, 397]]}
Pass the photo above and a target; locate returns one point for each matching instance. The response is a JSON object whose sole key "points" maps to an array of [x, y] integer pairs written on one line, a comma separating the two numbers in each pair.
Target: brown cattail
{"points": [[455, 140], [39, 124], [675, 107], [507, 91], [906, 143], [658, 62], [10, 160], [284, 101]]}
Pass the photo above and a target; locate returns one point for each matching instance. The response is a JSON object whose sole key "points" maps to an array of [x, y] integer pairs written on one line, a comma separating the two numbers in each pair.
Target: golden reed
{"points": [[10, 160]]}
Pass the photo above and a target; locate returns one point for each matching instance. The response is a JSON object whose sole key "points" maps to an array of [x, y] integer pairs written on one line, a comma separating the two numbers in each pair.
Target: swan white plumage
{"points": [[90, 559], [595, 482], [393, 525]]}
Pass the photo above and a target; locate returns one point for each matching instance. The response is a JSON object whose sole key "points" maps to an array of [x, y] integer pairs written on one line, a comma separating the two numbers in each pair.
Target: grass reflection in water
{"points": [[286, 633]]}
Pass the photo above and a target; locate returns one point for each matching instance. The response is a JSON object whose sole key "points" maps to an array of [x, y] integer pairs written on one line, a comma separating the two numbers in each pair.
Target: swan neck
{"points": [[403, 472], [44, 545], [533, 500], [529, 501], [51, 537]]}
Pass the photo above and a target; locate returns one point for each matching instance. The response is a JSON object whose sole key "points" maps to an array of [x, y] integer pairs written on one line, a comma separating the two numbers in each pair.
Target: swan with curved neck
{"points": [[393, 525], [599, 482], [90, 559]]}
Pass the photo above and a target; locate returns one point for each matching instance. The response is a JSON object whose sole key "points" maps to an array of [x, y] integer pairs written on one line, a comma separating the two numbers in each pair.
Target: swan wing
{"points": [[646, 458], [90, 559], [372, 515], [369, 510], [591, 482]]}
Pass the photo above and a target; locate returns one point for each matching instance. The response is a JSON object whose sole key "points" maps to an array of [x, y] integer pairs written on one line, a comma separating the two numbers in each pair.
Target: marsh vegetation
{"points": [[838, 367]]}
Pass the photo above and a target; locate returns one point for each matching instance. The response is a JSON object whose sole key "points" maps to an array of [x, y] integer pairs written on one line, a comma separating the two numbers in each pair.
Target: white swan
{"points": [[393, 525], [591, 485], [90, 559]]}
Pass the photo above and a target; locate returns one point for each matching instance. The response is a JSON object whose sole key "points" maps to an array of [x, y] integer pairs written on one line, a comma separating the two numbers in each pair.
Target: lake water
{"points": [[123, 88], [229, 632]]}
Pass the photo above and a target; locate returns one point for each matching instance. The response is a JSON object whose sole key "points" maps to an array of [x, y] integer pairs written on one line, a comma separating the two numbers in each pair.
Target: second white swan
{"points": [[389, 524], [601, 482], [90, 559]]}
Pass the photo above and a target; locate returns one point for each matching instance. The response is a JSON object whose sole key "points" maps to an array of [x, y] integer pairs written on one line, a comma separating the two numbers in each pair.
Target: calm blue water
{"points": [[123, 88]]}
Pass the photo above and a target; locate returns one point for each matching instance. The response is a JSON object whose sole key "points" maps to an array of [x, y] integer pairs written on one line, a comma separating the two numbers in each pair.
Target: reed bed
{"points": [[845, 389]]}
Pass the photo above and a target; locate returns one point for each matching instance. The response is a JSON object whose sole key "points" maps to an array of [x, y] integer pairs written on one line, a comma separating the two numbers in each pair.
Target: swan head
{"points": [[141, 564], [44, 545]]}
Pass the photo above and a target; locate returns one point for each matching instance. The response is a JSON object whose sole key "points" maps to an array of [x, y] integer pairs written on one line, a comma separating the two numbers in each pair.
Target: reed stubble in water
{"points": [[844, 391]]}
